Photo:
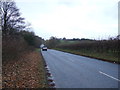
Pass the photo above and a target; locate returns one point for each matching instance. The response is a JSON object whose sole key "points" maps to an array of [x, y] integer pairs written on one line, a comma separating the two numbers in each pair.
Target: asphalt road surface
{"points": [[74, 71]]}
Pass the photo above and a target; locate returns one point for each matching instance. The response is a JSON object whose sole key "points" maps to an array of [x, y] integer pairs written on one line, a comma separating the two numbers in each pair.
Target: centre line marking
{"points": [[109, 76]]}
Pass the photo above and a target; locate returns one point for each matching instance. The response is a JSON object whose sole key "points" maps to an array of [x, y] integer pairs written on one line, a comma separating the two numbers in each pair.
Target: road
{"points": [[74, 71]]}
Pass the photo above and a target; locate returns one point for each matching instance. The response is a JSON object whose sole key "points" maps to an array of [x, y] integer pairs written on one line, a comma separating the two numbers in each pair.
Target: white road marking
{"points": [[109, 76]]}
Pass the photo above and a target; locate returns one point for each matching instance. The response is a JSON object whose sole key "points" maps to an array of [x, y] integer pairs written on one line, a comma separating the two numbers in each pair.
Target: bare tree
{"points": [[11, 21]]}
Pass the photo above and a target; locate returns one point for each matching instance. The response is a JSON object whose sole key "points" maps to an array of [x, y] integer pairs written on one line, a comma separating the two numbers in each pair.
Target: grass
{"points": [[62, 42], [26, 72], [101, 56]]}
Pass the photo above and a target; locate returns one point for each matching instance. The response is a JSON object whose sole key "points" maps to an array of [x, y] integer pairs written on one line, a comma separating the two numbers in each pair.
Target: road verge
{"points": [[26, 72], [92, 55], [49, 77]]}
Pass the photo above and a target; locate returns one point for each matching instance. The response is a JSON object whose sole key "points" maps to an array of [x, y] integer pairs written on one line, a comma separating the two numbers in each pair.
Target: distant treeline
{"points": [[110, 45], [101, 49], [87, 45], [94, 46]]}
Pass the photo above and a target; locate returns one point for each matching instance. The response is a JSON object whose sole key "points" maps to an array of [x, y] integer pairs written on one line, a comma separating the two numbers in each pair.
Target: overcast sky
{"points": [[96, 19]]}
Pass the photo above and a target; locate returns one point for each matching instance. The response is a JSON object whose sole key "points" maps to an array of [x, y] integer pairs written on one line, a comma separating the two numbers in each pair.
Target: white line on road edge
{"points": [[109, 76]]}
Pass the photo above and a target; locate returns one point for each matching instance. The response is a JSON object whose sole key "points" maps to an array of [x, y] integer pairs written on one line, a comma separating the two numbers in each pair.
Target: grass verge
{"points": [[26, 72], [101, 56]]}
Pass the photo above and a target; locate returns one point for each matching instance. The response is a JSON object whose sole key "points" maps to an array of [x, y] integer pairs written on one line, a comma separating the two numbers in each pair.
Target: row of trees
{"points": [[101, 46], [16, 37], [54, 41], [110, 46]]}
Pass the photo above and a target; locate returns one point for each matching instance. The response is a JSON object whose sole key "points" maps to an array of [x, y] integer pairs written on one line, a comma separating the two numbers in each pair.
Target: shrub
{"points": [[12, 47]]}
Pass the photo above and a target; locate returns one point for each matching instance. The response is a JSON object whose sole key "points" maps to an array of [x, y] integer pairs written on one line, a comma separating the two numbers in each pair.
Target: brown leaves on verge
{"points": [[27, 72]]}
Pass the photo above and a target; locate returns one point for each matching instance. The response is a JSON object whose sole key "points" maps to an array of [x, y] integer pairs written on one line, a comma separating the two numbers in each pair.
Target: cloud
{"points": [[74, 18]]}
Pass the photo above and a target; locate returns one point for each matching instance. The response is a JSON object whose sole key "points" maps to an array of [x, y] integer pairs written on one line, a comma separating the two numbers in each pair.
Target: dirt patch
{"points": [[26, 72]]}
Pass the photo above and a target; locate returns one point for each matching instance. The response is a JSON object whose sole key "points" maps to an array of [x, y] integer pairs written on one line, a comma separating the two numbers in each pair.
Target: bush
{"points": [[108, 46], [29, 37], [12, 47]]}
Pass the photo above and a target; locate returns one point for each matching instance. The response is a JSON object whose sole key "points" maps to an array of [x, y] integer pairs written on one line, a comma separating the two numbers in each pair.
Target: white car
{"points": [[44, 48]]}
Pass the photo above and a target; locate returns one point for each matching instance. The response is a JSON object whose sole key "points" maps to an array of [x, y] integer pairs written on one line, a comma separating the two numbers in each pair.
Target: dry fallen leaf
{"points": [[26, 72]]}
